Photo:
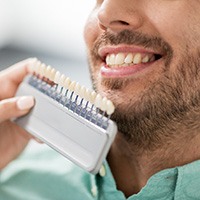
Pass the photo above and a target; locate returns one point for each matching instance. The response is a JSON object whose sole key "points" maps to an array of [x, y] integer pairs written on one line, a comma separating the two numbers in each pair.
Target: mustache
{"points": [[128, 37]]}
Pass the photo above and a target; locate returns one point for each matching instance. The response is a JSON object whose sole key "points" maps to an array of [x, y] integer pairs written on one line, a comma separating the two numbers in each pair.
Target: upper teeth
{"points": [[124, 59]]}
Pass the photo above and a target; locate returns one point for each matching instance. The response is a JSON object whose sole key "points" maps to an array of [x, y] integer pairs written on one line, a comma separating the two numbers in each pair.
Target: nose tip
{"points": [[117, 17]]}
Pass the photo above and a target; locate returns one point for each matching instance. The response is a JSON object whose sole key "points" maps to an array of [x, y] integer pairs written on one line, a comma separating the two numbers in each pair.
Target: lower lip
{"points": [[117, 72]]}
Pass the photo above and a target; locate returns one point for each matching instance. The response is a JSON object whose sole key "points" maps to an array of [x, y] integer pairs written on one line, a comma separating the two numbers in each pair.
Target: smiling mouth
{"points": [[125, 63], [129, 59]]}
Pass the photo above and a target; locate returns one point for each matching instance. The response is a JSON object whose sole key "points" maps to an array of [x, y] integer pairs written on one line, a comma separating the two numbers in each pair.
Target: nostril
{"points": [[123, 22], [102, 26], [119, 22]]}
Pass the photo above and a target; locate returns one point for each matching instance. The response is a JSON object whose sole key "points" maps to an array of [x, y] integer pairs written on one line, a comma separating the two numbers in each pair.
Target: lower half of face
{"points": [[153, 100]]}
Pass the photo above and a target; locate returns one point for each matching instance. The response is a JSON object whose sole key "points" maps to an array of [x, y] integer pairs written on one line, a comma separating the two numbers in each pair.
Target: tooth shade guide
{"points": [[81, 106], [76, 93], [83, 133]]}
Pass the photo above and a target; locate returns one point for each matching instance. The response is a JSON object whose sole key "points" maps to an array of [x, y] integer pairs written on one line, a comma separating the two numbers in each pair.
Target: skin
{"points": [[157, 108], [13, 139]]}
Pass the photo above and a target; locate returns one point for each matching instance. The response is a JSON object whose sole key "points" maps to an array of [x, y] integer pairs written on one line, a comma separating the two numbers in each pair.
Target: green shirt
{"points": [[42, 174]]}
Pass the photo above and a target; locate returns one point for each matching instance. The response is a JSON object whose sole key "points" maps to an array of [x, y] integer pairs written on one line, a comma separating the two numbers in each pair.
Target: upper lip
{"points": [[104, 51]]}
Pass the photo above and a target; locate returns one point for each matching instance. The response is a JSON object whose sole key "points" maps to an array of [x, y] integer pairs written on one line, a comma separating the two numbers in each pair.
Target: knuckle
{"points": [[3, 106], [6, 106]]}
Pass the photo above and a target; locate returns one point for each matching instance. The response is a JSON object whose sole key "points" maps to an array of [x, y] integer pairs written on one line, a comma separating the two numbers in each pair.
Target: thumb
{"points": [[15, 107]]}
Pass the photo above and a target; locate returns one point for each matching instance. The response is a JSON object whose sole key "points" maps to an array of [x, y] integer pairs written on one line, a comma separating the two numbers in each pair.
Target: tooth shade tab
{"points": [[67, 83], [42, 69], [103, 104], [110, 107], [93, 97], [87, 94], [62, 80], [52, 74], [98, 101], [77, 88], [33, 65], [82, 91], [72, 86], [57, 77], [37, 67], [48, 71]]}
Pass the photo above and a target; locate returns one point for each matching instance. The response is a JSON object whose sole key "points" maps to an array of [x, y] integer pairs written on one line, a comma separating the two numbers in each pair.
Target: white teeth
{"points": [[137, 58], [112, 59], [119, 59], [124, 59], [129, 58], [108, 60], [145, 59]]}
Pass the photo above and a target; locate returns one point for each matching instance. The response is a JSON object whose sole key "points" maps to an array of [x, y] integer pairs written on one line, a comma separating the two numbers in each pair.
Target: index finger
{"points": [[16, 72]]}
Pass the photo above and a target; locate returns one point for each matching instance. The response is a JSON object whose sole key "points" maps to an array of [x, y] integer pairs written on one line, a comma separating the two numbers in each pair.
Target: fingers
{"points": [[15, 107], [17, 72], [11, 77]]}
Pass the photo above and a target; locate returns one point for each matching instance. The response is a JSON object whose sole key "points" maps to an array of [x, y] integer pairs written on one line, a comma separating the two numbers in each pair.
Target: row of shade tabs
{"points": [[49, 73]]}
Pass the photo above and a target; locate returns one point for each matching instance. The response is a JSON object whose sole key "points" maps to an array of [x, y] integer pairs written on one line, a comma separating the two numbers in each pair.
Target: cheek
{"points": [[91, 31], [178, 23]]}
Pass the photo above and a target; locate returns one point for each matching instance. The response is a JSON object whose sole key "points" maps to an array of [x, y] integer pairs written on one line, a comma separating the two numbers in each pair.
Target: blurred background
{"points": [[51, 30]]}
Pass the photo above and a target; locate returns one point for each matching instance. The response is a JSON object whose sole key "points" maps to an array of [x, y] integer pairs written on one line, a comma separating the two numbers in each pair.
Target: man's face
{"points": [[145, 56]]}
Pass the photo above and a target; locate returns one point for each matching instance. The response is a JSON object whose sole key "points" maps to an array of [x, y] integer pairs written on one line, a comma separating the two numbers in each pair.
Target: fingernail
{"points": [[26, 102]]}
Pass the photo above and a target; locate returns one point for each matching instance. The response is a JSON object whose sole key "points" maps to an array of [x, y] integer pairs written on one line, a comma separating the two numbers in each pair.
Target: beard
{"points": [[167, 107]]}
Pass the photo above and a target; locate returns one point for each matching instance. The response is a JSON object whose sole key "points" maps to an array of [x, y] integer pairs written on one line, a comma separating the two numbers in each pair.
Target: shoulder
{"points": [[42, 171]]}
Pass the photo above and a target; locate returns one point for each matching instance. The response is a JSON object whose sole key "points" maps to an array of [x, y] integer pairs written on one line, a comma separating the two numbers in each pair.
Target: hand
{"points": [[13, 139]]}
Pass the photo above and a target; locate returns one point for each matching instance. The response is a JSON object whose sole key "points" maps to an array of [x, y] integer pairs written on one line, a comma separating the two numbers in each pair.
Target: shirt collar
{"points": [[181, 182]]}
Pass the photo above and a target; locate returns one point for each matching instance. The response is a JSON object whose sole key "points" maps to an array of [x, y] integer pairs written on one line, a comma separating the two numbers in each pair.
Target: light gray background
{"points": [[51, 30]]}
